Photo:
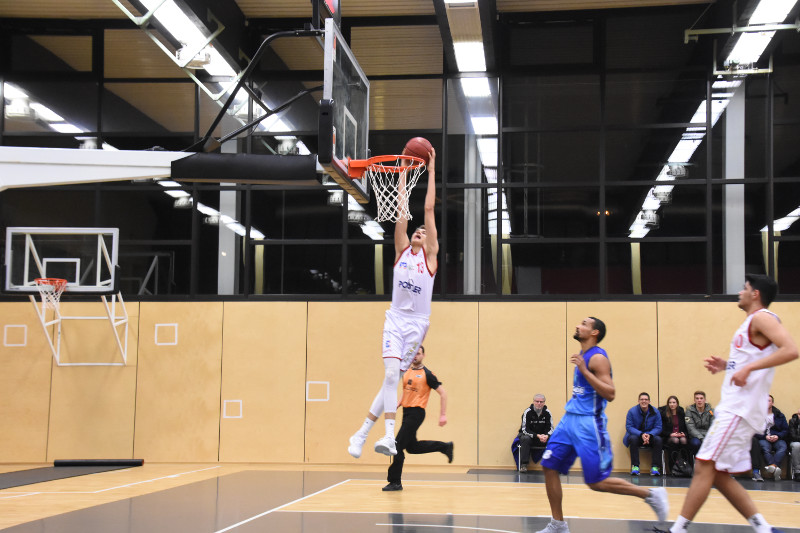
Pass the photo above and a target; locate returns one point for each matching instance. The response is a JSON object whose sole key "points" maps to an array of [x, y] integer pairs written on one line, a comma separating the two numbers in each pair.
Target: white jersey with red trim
{"points": [[749, 401], [413, 283]]}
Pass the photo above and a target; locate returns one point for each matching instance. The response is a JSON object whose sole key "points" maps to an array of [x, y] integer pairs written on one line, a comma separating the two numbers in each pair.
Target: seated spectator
{"points": [[794, 442], [699, 417], [537, 425], [772, 442], [673, 423], [643, 430]]}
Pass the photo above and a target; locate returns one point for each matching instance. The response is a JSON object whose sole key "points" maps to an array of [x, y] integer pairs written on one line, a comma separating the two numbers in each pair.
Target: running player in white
{"points": [[407, 320], [759, 345]]}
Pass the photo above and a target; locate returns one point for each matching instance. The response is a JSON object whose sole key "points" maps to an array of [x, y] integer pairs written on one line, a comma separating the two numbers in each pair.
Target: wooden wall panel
{"points": [[784, 388], [344, 350], [26, 360], [178, 385], [631, 346], [451, 349], [92, 407], [688, 333], [521, 353], [263, 380]]}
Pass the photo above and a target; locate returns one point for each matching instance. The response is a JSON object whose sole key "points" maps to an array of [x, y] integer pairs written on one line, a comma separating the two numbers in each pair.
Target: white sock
{"points": [[681, 525], [759, 524], [366, 426], [390, 427]]}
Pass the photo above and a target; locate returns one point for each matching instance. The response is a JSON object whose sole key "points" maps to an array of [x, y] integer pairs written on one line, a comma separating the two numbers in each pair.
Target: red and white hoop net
{"points": [[392, 177], [50, 289]]}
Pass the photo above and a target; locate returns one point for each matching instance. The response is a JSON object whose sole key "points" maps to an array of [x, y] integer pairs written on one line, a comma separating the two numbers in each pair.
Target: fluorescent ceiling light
{"points": [[168, 183], [302, 149], [651, 203], [178, 194], [46, 114], [459, 1], [65, 128], [491, 175], [107, 146], [487, 148], [726, 84], [176, 22], [639, 233], [771, 11], [11, 91], [475, 87], [470, 56], [749, 47], [717, 107], [684, 150], [486, 125], [218, 66]]}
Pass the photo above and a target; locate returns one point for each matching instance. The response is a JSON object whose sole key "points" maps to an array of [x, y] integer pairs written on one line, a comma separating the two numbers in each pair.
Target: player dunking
{"points": [[407, 320], [582, 432], [759, 345]]}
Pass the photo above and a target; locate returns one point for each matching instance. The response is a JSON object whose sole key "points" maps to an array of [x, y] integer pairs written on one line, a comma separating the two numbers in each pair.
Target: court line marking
{"points": [[451, 527], [279, 507], [19, 495]]}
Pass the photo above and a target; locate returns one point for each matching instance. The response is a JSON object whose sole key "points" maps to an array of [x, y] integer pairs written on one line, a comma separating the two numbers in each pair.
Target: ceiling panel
{"points": [[300, 53], [56, 9], [513, 6], [74, 50], [169, 104], [132, 54], [405, 104], [390, 50], [350, 8]]}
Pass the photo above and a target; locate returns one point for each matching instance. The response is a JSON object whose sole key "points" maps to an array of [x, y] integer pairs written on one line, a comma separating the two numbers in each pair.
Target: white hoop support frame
{"points": [[386, 180]]}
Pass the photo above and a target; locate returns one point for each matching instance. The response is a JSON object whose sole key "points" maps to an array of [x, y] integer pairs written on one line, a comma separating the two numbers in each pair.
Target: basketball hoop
{"points": [[50, 289], [392, 177]]}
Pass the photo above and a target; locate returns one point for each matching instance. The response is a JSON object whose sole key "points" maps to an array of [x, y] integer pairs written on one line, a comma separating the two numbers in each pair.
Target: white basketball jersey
{"points": [[413, 283], [750, 401]]}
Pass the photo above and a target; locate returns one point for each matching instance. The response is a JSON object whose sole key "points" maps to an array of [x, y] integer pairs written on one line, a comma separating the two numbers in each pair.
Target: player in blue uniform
{"points": [[583, 431]]}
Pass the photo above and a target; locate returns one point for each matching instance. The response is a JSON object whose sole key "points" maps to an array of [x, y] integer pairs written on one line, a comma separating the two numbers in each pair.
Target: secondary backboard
{"points": [[344, 113], [85, 257]]}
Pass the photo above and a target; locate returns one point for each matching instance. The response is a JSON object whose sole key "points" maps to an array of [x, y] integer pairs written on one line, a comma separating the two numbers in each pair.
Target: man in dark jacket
{"points": [[537, 425], [773, 442], [643, 429], [794, 443]]}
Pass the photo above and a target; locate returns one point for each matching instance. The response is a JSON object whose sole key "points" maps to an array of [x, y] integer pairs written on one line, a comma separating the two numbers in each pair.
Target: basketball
{"points": [[418, 147]]}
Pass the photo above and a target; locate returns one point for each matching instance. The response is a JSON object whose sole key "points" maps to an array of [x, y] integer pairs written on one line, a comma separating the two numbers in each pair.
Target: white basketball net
{"points": [[392, 194], [50, 289]]}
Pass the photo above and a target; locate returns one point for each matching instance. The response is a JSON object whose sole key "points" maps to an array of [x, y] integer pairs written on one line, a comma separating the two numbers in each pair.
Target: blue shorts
{"points": [[583, 436]]}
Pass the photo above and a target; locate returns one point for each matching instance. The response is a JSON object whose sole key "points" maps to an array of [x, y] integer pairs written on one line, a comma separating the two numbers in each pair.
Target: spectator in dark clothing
{"points": [[773, 442], [537, 425]]}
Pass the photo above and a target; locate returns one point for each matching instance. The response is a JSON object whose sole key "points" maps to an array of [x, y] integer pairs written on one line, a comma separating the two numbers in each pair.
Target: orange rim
{"points": [[357, 167], [56, 283]]}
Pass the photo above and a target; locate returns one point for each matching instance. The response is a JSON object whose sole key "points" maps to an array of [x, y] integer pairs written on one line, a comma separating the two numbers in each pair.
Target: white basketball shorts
{"points": [[402, 335], [727, 443]]}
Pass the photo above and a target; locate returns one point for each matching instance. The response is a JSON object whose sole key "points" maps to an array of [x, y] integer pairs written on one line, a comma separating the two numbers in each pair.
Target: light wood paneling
{"points": [[784, 387], [405, 104], [388, 50], [132, 54], [521, 347], [169, 104], [570, 5], [74, 50], [56, 9], [25, 360], [92, 407], [344, 349], [178, 386], [348, 8], [263, 367], [451, 349], [632, 349], [688, 333]]}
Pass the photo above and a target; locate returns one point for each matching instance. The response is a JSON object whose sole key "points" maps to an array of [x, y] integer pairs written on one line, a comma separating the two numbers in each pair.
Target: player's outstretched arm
{"points": [[714, 364], [401, 240], [432, 235], [767, 326]]}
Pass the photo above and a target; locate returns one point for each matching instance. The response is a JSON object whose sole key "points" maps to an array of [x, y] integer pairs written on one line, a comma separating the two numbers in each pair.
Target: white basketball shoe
{"points": [[356, 444], [386, 446]]}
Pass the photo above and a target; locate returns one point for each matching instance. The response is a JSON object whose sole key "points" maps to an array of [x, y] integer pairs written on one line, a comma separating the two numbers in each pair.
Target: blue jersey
{"points": [[585, 400]]}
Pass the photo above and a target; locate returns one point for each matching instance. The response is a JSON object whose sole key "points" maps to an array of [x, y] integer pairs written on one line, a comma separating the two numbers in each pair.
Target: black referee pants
{"points": [[407, 440]]}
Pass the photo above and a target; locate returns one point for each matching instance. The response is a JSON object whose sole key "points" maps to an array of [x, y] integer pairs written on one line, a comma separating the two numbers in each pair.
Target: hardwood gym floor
{"points": [[295, 499]]}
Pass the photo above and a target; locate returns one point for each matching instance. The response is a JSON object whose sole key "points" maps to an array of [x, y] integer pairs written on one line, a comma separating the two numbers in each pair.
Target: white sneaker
{"points": [[777, 474], [356, 443], [385, 445], [555, 527], [658, 501], [770, 468]]}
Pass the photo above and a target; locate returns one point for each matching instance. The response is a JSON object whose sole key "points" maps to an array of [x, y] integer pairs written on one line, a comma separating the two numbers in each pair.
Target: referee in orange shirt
{"points": [[417, 384]]}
